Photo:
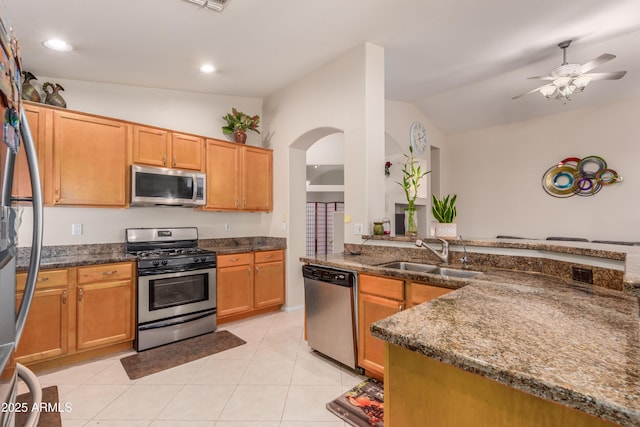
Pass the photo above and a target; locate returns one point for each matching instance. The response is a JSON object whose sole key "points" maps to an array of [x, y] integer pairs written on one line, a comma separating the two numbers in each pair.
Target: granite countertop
{"points": [[567, 342], [90, 254]]}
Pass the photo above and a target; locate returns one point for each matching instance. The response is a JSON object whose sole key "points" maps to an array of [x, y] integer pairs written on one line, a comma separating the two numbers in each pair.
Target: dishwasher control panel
{"points": [[337, 277]]}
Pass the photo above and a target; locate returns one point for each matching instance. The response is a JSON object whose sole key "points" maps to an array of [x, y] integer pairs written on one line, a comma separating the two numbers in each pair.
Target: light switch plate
{"points": [[357, 228], [227, 226]]}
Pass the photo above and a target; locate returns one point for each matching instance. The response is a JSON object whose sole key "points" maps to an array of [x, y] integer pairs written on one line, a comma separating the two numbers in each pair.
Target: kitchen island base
{"points": [[419, 390]]}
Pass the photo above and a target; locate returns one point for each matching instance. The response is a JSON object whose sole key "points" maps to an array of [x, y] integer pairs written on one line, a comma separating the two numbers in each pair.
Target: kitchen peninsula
{"points": [[514, 346]]}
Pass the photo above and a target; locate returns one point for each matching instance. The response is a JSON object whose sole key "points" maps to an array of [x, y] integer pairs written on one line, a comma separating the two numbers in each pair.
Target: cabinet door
{"points": [[186, 151], [223, 179], [46, 332], [234, 286], [371, 349], [89, 160], [269, 284], [36, 116], [104, 313], [150, 146], [257, 179]]}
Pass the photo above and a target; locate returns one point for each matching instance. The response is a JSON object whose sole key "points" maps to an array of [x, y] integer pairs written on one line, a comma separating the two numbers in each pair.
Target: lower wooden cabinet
{"points": [[104, 305], [249, 283], [46, 333], [378, 298], [77, 309], [381, 297]]}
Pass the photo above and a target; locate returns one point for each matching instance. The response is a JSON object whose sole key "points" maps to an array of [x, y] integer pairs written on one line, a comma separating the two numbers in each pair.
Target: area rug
{"points": [[362, 406], [49, 413], [168, 356]]}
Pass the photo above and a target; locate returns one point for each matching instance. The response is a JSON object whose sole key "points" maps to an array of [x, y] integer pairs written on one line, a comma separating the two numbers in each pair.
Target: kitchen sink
{"points": [[454, 272], [428, 268], [410, 266]]}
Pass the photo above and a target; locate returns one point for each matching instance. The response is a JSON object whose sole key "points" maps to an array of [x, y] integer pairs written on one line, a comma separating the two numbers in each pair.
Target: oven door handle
{"points": [[179, 321]]}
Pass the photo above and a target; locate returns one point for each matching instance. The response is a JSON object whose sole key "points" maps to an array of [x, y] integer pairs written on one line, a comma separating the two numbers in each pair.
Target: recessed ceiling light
{"points": [[57, 44], [207, 68]]}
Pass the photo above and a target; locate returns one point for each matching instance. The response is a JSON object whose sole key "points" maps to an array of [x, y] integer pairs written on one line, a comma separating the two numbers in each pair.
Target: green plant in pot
{"points": [[411, 175], [444, 211], [238, 123]]}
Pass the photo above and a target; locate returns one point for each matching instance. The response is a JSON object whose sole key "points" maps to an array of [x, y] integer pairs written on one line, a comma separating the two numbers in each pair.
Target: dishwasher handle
{"points": [[329, 275]]}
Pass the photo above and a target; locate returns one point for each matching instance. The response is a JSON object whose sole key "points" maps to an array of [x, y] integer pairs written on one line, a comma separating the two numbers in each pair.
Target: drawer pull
{"points": [[64, 297], [43, 279], [268, 256], [109, 273], [80, 294], [234, 259]]}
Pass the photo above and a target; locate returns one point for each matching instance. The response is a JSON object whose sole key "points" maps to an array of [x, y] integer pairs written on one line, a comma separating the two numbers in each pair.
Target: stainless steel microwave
{"points": [[167, 187]]}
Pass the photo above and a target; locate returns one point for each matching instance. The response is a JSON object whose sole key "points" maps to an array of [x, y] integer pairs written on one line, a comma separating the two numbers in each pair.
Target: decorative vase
{"points": [[446, 229], [410, 226], [53, 97], [378, 228], [29, 92], [240, 136]]}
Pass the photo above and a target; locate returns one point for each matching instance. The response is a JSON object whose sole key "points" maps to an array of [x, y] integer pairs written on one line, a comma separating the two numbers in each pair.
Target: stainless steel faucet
{"points": [[443, 255], [465, 259]]}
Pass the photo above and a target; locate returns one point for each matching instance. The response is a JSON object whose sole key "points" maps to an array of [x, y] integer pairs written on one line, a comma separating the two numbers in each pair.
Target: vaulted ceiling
{"points": [[459, 61]]}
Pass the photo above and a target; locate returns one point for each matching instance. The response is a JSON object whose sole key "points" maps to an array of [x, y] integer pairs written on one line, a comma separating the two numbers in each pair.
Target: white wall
{"points": [[497, 174], [346, 95], [182, 111]]}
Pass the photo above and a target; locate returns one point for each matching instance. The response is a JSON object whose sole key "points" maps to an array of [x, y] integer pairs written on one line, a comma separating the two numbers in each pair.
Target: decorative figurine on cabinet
{"points": [[29, 92], [53, 97]]}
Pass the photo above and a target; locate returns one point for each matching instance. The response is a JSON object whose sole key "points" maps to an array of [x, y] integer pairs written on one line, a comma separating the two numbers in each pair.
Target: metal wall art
{"points": [[574, 176]]}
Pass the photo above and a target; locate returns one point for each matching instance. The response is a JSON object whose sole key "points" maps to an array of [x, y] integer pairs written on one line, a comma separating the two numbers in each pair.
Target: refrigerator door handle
{"points": [[36, 241], [35, 389]]}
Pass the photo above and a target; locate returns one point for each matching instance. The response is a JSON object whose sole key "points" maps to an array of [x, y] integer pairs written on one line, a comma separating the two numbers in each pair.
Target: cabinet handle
{"points": [[80, 294], [43, 279], [237, 203], [164, 160], [257, 268], [244, 202], [400, 307], [109, 273], [175, 162], [248, 271], [57, 194], [64, 297]]}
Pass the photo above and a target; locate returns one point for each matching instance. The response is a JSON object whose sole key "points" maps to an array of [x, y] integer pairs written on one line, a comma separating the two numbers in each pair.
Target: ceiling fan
{"points": [[568, 79]]}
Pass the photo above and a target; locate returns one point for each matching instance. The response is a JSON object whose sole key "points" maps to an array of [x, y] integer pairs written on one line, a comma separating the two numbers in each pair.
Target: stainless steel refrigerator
{"points": [[14, 138]]}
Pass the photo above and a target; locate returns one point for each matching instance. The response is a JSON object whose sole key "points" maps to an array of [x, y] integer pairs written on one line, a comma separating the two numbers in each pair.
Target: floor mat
{"points": [[362, 406], [49, 414], [168, 356]]}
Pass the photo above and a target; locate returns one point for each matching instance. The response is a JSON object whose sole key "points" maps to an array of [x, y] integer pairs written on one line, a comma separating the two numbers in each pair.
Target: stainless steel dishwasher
{"points": [[330, 310]]}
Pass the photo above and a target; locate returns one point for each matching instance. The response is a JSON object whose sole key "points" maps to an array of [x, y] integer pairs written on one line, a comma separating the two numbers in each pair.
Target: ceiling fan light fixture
{"points": [[548, 90], [581, 82], [217, 5]]}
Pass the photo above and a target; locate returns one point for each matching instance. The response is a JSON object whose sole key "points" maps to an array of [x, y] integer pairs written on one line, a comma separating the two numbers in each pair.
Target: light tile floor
{"points": [[274, 380]]}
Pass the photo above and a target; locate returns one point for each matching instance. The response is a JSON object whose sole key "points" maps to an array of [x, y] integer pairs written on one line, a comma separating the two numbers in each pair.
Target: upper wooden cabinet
{"points": [[89, 160], [36, 116], [159, 147], [239, 177]]}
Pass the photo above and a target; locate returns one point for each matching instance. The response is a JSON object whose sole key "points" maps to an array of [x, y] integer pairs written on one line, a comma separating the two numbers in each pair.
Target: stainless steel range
{"points": [[176, 285]]}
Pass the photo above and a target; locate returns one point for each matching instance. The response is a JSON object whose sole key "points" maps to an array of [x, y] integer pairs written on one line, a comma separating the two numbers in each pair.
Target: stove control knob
{"points": [[155, 263], [164, 262], [203, 259], [196, 259]]}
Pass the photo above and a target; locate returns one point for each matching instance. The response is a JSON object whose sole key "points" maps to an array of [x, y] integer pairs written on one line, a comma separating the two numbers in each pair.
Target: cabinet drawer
{"points": [[422, 293], [46, 279], [269, 256], [104, 272], [234, 259], [381, 286]]}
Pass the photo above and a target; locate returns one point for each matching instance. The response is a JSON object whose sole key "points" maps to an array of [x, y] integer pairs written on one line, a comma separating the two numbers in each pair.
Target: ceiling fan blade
{"points": [[605, 57], [527, 93], [541, 78], [613, 75]]}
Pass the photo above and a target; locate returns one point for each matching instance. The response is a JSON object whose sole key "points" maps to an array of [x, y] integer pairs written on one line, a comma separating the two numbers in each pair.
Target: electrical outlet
{"points": [[584, 275], [227, 226], [357, 228], [76, 229]]}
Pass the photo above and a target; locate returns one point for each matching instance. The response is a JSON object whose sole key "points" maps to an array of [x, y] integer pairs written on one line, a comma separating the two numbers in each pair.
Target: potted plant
{"points": [[411, 175], [444, 211], [238, 123]]}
